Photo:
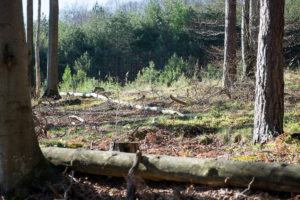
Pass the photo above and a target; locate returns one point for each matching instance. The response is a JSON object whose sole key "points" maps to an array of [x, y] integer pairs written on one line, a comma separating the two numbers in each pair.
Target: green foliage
{"points": [[83, 63], [121, 42], [292, 9], [176, 13], [211, 72], [78, 82], [67, 83], [213, 11], [148, 75], [175, 68]]}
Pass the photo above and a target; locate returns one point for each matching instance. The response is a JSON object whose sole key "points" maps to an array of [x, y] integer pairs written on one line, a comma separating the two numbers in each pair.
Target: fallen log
{"points": [[268, 176], [133, 105]]}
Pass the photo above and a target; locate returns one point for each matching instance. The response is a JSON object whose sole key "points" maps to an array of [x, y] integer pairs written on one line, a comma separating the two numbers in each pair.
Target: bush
{"points": [[148, 75], [175, 68], [211, 72], [78, 82], [67, 84]]}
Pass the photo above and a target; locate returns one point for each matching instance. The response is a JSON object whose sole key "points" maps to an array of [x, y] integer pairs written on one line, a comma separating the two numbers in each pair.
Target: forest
{"points": [[164, 35], [150, 99]]}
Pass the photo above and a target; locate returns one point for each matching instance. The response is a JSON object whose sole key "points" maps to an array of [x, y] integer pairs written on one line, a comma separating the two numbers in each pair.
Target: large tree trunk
{"points": [[37, 54], [268, 118], [52, 62], [267, 176], [246, 50], [254, 29], [19, 149], [229, 69], [29, 26]]}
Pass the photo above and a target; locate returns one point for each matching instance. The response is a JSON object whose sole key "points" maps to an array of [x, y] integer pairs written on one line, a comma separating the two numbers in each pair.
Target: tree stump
{"points": [[129, 147]]}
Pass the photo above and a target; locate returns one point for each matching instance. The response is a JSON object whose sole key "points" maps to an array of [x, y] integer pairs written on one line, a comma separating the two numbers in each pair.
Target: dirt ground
{"points": [[58, 124]]}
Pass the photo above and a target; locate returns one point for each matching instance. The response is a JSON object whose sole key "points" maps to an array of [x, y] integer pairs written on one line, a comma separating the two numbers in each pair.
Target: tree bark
{"points": [[29, 26], [229, 69], [268, 176], [19, 149], [269, 109], [248, 69], [37, 54], [52, 62], [254, 29]]}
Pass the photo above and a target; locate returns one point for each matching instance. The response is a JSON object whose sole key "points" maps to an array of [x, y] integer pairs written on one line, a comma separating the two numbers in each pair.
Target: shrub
{"points": [[148, 75], [175, 68], [78, 82], [211, 72]]}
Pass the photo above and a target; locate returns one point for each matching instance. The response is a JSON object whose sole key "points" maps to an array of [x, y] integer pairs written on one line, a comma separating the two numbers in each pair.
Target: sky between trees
{"points": [[67, 4]]}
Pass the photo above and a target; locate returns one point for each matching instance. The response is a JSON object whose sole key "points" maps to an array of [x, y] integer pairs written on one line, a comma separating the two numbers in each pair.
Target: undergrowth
{"points": [[220, 119]]}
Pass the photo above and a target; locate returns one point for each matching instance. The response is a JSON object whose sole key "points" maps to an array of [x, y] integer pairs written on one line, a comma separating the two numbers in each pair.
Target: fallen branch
{"points": [[70, 186], [171, 112], [57, 195], [77, 118], [177, 100], [268, 176]]}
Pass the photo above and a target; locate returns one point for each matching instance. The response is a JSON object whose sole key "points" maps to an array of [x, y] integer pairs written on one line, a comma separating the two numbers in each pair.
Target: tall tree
{"points": [[269, 110], [229, 69], [254, 29], [19, 149], [246, 50], [30, 44], [37, 54], [52, 62]]}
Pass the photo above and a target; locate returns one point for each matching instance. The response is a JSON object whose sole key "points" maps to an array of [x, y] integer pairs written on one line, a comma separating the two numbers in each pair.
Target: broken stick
{"points": [[178, 100]]}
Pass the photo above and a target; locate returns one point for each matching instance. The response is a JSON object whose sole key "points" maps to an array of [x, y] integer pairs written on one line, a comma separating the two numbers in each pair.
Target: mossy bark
{"points": [[268, 176]]}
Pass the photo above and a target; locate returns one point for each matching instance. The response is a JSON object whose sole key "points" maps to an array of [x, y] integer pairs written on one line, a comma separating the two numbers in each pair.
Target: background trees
{"points": [[37, 53], [128, 39], [29, 26], [52, 62], [246, 51], [229, 68]]}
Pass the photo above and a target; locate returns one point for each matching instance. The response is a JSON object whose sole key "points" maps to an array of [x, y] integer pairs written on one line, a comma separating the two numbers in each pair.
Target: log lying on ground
{"points": [[133, 105], [268, 176]]}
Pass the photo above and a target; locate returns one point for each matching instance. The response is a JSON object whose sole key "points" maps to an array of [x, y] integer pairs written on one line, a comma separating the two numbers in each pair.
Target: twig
{"points": [[249, 186], [70, 186], [178, 100], [57, 195], [130, 190]]}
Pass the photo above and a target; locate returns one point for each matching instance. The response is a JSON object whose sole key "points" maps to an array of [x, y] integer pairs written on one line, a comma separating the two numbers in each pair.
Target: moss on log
{"points": [[268, 176]]}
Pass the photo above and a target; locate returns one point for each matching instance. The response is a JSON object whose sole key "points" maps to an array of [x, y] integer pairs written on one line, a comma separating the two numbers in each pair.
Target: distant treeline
{"points": [[105, 43]]}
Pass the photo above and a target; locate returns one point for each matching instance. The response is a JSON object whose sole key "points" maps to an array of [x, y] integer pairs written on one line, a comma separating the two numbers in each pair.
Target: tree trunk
{"points": [[254, 29], [248, 69], [29, 26], [229, 69], [267, 176], [19, 149], [269, 109], [52, 63], [37, 54]]}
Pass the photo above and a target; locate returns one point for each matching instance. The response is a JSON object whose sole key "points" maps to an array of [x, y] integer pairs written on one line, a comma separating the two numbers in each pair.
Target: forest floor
{"points": [[223, 130]]}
